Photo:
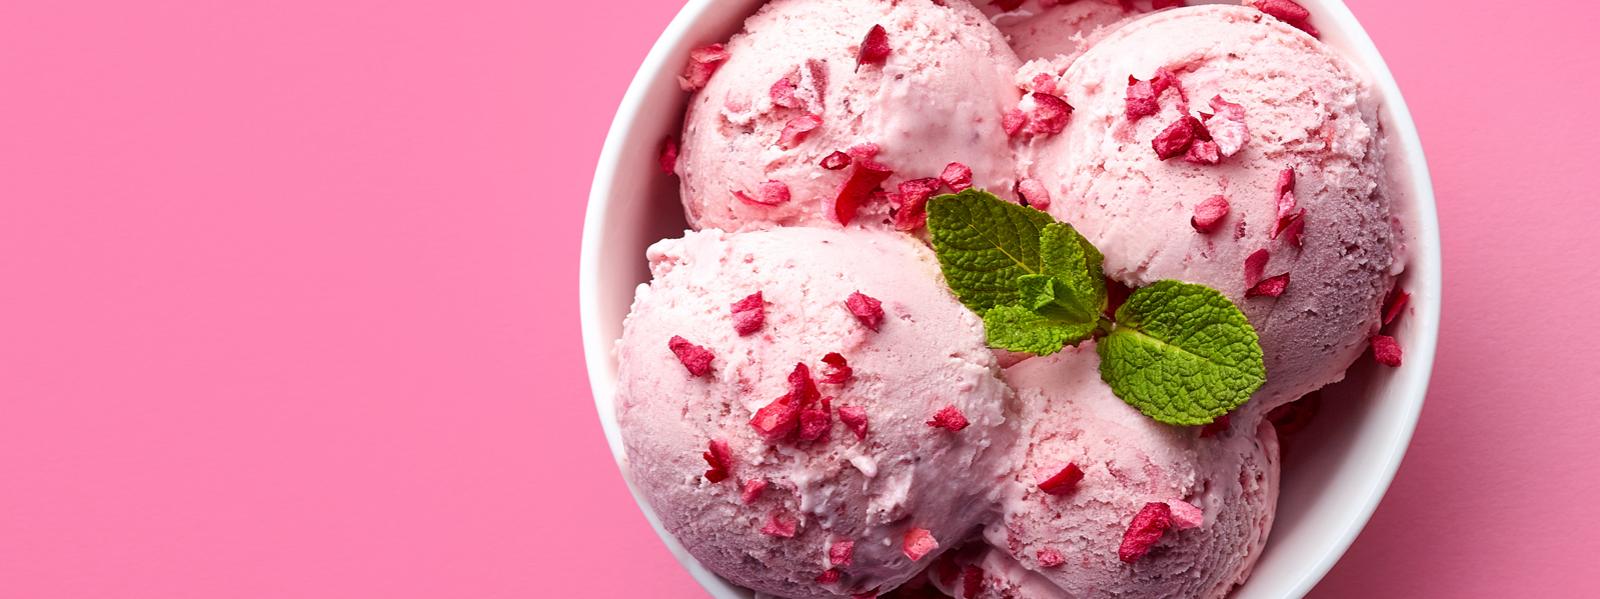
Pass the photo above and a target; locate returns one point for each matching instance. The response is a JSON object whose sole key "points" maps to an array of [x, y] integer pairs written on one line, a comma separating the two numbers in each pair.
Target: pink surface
{"points": [[289, 306]]}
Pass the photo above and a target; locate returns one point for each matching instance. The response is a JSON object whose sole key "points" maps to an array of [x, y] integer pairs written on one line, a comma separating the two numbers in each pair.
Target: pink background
{"points": [[288, 302]]}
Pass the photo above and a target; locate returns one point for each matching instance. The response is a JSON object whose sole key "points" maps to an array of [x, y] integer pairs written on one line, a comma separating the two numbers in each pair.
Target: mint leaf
{"points": [[1182, 354], [1019, 329], [1066, 256], [984, 244]]}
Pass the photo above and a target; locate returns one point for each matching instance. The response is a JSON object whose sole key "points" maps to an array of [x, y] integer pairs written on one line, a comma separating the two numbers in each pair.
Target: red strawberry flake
{"points": [[1294, 231], [958, 176], [1269, 287], [1142, 100], [1013, 121], [814, 424], [1049, 115], [1289, 12], [1204, 152], [1283, 194], [696, 359], [1160, 4], [864, 178], [1116, 294], [919, 543], [864, 152], [912, 201], [801, 387], [1186, 515], [771, 193], [780, 525], [1145, 530], [1051, 558], [1209, 213], [1386, 350], [720, 458], [838, 370], [828, 576], [1063, 482], [971, 581], [866, 309], [797, 129], [1044, 83], [855, 419], [777, 419], [752, 490], [1227, 126], [949, 418], [669, 155], [748, 314], [1033, 193], [1176, 138], [875, 48], [703, 61], [1006, 5], [841, 552], [1217, 426], [1255, 266], [782, 92], [836, 161], [1397, 304]]}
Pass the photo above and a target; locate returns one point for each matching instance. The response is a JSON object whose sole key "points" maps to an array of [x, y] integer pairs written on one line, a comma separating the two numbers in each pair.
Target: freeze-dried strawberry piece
{"points": [[1203, 152], [1186, 515], [1063, 482], [1269, 287], [781, 525], [777, 419], [1050, 114], [971, 581], [801, 386], [1216, 427], [797, 129], [782, 92], [874, 48], [958, 176], [752, 490], [1227, 126], [1396, 304], [1283, 195], [912, 201], [1289, 12], [1209, 213], [828, 576], [841, 553], [835, 161], [1160, 4], [1142, 99], [864, 152], [720, 459], [703, 61], [669, 155], [748, 314], [864, 178], [1294, 231], [1051, 558], [1255, 265], [838, 369], [919, 543], [1012, 121], [1145, 530], [814, 424], [1044, 83], [695, 359], [1176, 138], [1386, 350], [867, 310], [770, 193], [855, 419], [949, 418], [1033, 193], [1006, 5]]}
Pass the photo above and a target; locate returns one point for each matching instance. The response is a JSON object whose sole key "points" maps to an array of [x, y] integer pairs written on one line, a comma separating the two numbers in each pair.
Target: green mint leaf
{"points": [[1182, 354], [1071, 259], [1051, 298], [984, 244], [1019, 329]]}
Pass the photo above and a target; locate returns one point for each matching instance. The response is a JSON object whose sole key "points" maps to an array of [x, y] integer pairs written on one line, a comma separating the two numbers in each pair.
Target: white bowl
{"points": [[1338, 470]]}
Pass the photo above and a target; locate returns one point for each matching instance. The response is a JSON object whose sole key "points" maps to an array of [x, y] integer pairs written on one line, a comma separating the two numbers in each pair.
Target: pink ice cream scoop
{"points": [[1242, 154], [830, 436], [1051, 29], [815, 108], [1091, 469]]}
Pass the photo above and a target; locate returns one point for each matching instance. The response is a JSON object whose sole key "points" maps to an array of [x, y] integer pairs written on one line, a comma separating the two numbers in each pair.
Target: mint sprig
{"points": [[1179, 352]]}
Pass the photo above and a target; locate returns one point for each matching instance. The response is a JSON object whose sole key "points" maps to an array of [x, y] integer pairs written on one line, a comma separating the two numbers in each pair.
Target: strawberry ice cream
{"points": [[1218, 485], [1048, 29], [833, 445], [815, 107], [1243, 155]]}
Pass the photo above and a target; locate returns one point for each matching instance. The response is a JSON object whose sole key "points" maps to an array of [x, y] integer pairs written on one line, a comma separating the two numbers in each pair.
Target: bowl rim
{"points": [[1424, 269]]}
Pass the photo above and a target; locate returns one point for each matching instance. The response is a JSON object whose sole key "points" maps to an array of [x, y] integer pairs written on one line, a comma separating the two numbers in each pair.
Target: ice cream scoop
{"points": [[834, 445]]}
